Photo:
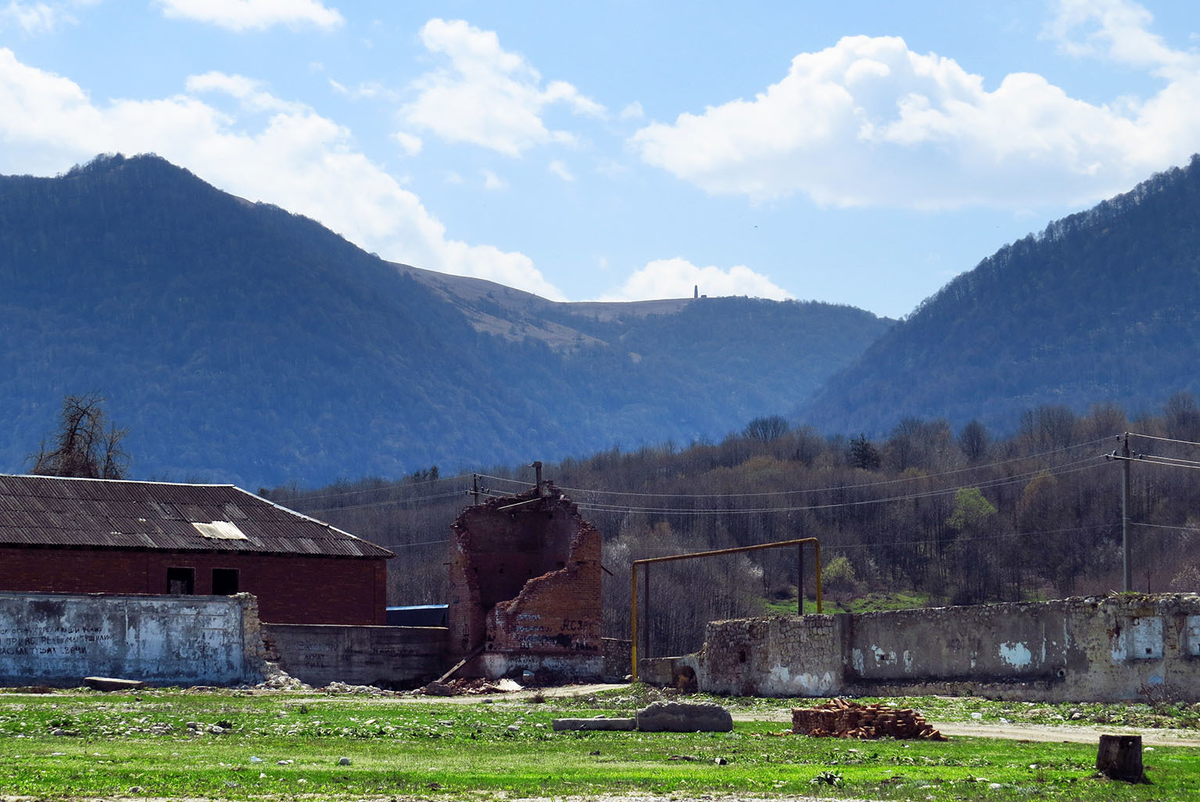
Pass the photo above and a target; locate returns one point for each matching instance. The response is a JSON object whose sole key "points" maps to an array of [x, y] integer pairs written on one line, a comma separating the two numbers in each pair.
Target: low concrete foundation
{"points": [[384, 656]]}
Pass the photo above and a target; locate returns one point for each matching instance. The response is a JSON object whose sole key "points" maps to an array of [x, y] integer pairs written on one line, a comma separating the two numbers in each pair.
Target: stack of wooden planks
{"points": [[839, 718]]}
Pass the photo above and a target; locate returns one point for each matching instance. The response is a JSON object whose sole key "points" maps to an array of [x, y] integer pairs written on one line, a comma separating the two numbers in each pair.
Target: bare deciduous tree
{"points": [[84, 445]]}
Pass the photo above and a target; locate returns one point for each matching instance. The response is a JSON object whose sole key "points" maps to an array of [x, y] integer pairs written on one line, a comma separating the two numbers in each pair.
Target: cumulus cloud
{"points": [[869, 122], [292, 157], [486, 95], [678, 278], [245, 15]]}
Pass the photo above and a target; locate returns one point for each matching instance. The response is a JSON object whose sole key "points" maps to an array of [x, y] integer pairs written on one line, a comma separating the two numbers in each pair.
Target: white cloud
{"points": [[560, 169], [248, 92], [678, 278], [365, 91], [411, 145], [244, 15], [488, 96], [869, 122], [35, 18], [295, 159], [493, 181], [1116, 30], [633, 111]]}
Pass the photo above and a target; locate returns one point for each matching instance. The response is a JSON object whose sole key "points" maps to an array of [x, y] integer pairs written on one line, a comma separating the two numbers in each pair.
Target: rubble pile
{"points": [[839, 718], [471, 687]]}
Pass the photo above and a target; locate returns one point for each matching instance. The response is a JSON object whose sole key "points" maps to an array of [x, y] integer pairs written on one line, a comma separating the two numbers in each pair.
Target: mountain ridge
{"points": [[1099, 307], [240, 342]]}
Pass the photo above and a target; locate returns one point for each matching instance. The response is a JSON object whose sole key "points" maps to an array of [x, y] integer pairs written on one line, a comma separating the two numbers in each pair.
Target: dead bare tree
{"points": [[85, 444]]}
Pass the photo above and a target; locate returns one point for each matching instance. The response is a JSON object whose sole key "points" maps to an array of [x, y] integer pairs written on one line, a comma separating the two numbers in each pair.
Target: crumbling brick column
{"points": [[525, 584]]}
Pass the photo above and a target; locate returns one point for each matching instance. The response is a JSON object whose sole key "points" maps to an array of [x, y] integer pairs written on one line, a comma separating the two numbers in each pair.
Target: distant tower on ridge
{"points": [[696, 292]]}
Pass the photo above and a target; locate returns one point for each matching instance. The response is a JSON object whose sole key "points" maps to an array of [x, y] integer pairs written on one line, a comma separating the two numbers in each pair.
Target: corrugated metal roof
{"points": [[107, 513]]}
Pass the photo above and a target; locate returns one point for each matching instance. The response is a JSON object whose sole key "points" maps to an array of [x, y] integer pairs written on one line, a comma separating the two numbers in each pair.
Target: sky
{"points": [[858, 153]]}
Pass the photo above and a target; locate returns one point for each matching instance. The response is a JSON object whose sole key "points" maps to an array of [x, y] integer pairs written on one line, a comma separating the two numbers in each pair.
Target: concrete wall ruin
{"points": [[383, 656], [58, 639], [1083, 649], [525, 585]]}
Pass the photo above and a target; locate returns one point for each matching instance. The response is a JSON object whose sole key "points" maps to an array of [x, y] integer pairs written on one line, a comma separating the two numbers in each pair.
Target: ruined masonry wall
{"points": [[525, 585], [58, 639], [1084, 649]]}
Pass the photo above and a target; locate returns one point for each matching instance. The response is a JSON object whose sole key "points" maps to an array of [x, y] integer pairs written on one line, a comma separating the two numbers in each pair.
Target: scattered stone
{"points": [[112, 684], [838, 718], [343, 761], [60, 732], [436, 688], [255, 759], [597, 723], [683, 757], [720, 761], [684, 717]]}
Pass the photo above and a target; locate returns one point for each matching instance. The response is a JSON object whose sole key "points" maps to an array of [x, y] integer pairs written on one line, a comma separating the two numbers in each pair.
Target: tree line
{"points": [[943, 516]]}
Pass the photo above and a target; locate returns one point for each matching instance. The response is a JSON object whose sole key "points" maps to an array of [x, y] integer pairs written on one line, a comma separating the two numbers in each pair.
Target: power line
{"points": [[1164, 439], [879, 483], [1082, 466], [391, 502]]}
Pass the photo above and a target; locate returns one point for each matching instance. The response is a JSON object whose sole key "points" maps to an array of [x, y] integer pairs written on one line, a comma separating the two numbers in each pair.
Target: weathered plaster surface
{"points": [[1105, 649], [58, 639]]}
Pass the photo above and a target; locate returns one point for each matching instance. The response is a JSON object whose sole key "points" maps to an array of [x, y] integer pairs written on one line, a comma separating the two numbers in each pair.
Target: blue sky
{"points": [[860, 153]]}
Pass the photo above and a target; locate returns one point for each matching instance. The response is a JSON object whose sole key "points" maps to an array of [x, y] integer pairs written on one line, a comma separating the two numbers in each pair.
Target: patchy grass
{"points": [[238, 746], [863, 604]]}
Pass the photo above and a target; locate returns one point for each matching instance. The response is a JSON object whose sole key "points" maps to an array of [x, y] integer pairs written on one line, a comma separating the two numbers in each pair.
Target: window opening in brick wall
{"points": [[181, 581], [224, 581]]}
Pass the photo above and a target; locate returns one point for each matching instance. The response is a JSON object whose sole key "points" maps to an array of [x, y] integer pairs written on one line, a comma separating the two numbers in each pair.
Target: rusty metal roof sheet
{"points": [[107, 513]]}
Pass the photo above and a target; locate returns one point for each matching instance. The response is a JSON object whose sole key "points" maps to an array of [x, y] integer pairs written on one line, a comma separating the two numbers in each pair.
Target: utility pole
{"points": [[1127, 561], [475, 487]]}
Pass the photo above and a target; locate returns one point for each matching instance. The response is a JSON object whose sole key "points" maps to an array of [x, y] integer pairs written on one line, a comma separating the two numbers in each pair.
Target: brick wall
{"points": [[290, 589], [525, 583]]}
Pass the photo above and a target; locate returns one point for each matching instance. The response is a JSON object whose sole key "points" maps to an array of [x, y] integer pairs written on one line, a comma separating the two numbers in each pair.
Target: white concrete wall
{"points": [[1103, 649], [58, 639]]}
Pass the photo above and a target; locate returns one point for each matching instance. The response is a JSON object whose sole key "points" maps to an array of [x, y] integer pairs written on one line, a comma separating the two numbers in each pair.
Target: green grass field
{"points": [[233, 745]]}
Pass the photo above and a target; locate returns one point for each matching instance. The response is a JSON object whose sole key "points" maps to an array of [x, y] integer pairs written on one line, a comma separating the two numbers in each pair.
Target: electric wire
{"points": [[879, 483], [1163, 439], [1096, 461]]}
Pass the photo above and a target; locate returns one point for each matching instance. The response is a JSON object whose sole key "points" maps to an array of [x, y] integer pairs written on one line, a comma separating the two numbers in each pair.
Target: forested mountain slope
{"points": [[1102, 306], [238, 342]]}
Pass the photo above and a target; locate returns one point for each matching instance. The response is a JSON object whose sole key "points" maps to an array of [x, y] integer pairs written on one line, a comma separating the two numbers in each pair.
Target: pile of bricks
{"points": [[838, 718]]}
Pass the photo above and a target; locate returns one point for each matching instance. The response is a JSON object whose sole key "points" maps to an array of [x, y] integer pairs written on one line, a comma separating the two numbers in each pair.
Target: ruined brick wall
{"points": [[1083, 649], [525, 583]]}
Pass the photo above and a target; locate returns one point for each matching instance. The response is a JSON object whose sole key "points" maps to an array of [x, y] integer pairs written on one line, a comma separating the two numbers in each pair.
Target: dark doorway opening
{"points": [[181, 581]]}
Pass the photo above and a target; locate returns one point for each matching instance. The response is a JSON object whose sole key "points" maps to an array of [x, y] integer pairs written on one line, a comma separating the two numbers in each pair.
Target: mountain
{"points": [[238, 342], [1101, 307]]}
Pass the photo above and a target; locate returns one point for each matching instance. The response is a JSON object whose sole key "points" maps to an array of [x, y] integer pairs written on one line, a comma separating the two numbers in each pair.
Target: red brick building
{"points": [[62, 535]]}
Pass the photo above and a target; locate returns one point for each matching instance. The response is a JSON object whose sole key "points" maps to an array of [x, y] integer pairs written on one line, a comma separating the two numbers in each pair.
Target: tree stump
{"points": [[1120, 758]]}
